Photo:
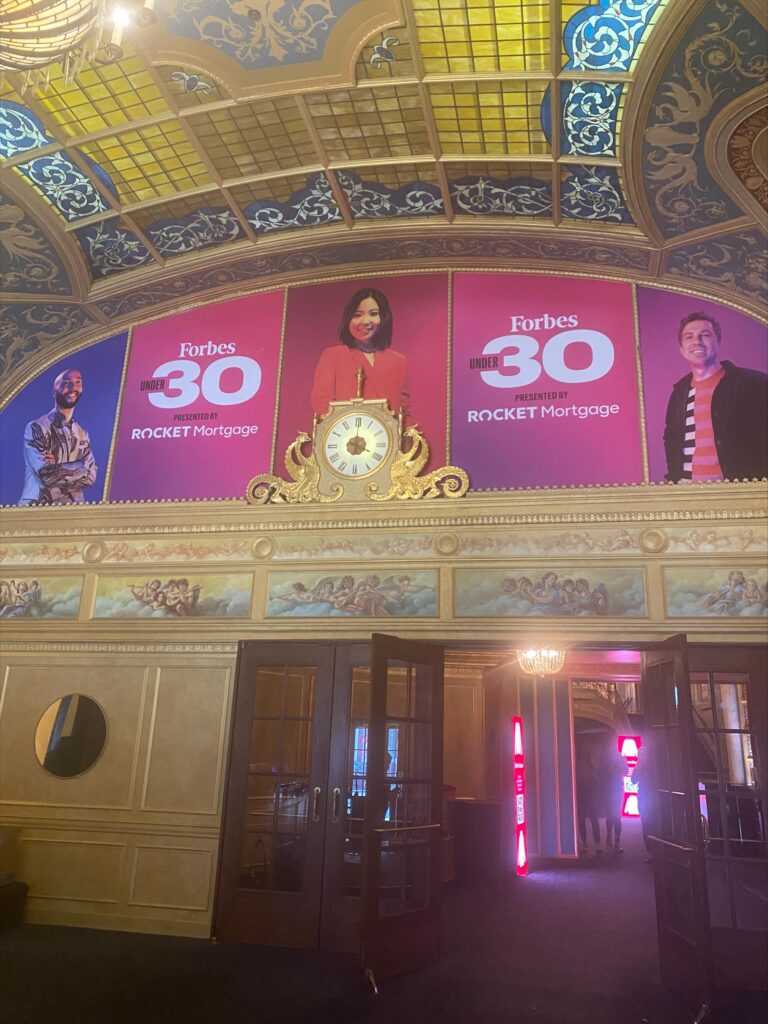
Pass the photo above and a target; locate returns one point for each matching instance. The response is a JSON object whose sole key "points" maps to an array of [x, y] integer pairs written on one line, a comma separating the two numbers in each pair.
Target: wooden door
{"points": [[276, 803], [345, 810], [401, 894], [685, 943], [730, 733]]}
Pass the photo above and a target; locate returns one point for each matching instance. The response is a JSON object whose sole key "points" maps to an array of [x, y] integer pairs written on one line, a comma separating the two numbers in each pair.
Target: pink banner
{"points": [[416, 309], [544, 382], [199, 402]]}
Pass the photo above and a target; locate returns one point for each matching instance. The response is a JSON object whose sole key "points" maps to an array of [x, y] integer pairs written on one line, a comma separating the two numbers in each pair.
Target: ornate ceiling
{"points": [[241, 143]]}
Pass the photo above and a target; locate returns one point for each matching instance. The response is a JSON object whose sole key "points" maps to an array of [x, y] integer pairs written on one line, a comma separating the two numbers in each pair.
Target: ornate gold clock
{"points": [[359, 450], [356, 443]]}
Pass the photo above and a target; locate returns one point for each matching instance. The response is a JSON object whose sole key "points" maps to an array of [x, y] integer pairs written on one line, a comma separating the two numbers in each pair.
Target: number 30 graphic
{"points": [[182, 388], [519, 351]]}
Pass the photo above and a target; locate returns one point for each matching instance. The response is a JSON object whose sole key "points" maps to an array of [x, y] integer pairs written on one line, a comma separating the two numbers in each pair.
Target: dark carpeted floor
{"points": [[563, 946]]}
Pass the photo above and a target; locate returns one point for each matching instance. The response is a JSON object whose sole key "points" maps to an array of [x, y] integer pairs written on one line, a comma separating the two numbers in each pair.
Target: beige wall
{"points": [[133, 843]]}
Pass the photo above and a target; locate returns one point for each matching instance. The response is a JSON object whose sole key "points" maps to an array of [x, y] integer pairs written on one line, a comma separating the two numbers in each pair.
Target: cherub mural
{"points": [[364, 597], [219, 596], [552, 596], [697, 592], [19, 598], [735, 594], [541, 592], [48, 598], [176, 596]]}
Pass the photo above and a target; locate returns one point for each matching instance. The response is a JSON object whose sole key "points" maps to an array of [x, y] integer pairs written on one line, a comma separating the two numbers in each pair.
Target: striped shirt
{"points": [[700, 461]]}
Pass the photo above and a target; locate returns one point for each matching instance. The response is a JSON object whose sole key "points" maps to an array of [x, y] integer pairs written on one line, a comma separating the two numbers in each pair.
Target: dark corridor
{"points": [[572, 945]]}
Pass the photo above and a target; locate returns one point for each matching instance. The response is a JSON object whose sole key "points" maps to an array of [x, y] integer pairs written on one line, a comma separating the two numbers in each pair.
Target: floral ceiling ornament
{"points": [[383, 52], [256, 33], [191, 83]]}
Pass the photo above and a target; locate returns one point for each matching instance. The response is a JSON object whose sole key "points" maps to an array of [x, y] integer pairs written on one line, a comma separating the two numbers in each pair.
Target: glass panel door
{"points": [[685, 944], [401, 897], [276, 801], [347, 788]]}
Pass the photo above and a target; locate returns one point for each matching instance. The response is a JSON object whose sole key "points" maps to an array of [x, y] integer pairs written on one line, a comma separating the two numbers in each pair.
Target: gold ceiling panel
{"points": [[254, 138], [499, 170], [387, 55], [281, 189], [155, 161], [395, 176], [102, 96], [480, 36], [368, 124], [177, 209], [489, 117], [7, 92]]}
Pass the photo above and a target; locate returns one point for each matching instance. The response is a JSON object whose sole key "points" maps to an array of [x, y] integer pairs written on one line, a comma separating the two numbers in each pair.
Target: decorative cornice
{"points": [[436, 522], [107, 647]]}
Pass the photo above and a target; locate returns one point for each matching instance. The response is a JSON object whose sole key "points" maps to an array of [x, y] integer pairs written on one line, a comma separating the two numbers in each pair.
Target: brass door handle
{"points": [[316, 803], [336, 798]]}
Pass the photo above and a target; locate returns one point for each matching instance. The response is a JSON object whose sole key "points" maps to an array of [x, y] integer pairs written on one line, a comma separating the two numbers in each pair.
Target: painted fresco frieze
{"points": [[694, 592], [25, 329], [226, 596], [52, 597], [737, 261], [723, 58], [29, 264], [568, 592], [467, 247], [358, 595]]}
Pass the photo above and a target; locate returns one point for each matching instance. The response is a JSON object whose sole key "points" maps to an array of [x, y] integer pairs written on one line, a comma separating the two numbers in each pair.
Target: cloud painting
{"points": [[717, 592], [550, 593], [225, 596], [359, 595]]}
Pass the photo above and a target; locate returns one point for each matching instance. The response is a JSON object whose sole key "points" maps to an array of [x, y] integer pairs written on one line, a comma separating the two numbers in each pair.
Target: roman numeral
{"points": [[345, 425], [358, 421], [335, 457], [342, 466], [377, 456]]}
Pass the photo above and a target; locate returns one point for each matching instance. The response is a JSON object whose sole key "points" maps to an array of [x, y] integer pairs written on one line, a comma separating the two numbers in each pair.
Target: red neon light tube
{"points": [[518, 785]]}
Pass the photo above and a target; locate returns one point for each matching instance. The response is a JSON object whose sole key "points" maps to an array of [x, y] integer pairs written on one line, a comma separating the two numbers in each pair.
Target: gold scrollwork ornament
{"points": [[405, 482], [303, 485]]}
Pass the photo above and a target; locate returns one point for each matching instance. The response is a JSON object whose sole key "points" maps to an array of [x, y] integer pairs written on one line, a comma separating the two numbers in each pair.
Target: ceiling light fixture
{"points": [[36, 34], [540, 661]]}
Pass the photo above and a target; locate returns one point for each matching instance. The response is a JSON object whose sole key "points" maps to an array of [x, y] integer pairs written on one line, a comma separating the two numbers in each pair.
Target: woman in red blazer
{"points": [[365, 336]]}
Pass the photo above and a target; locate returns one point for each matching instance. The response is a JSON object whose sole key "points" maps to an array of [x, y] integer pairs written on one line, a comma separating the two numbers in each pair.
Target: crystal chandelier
{"points": [[541, 661], [35, 34]]}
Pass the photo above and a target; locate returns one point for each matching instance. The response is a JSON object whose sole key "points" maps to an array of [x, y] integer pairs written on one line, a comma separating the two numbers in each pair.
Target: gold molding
{"points": [[93, 552], [653, 541], [115, 647], [364, 522], [264, 548]]}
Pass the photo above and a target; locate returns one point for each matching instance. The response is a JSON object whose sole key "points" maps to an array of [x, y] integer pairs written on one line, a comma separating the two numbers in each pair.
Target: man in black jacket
{"points": [[717, 416]]}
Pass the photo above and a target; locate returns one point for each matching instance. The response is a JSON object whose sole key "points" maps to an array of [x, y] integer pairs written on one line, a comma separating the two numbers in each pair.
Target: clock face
{"points": [[357, 444]]}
